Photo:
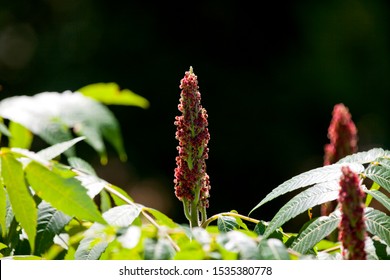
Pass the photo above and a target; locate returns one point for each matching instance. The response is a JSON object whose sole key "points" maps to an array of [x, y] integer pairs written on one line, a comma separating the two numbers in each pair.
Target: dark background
{"points": [[269, 73]]}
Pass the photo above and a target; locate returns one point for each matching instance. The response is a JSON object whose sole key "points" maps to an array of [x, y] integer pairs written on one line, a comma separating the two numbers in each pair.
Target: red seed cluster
{"points": [[352, 229], [193, 136], [342, 133]]}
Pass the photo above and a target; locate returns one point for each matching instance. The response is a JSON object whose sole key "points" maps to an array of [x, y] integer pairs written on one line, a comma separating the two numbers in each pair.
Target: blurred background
{"points": [[269, 75]]}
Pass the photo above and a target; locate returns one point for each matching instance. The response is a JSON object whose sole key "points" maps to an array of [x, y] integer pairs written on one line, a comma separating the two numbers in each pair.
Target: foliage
{"points": [[49, 209]]}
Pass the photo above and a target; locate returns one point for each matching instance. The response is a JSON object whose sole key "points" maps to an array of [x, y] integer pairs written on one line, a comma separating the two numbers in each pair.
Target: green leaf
{"points": [[311, 197], [82, 165], [65, 194], [314, 176], [122, 216], [273, 249], [227, 223], [94, 243], [3, 207], [23, 204], [315, 232], [4, 130], [105, 201], [385, 162], [378, 223], [50, 223], [380, 175], [161, 218], [374, 187], [379, 196], [363, 157], [238, 242], [57, 149], [52, 115], [21, 137], [117, 200], [110, 94]]}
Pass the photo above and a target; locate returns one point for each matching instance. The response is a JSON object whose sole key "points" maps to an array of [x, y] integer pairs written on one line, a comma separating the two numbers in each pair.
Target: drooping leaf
{"points": [[51, 115], [363, 157], [57, 149], [227, 223], [110, 94], [23, 204], [118, 199], [314, 176], [380, 175], [315, 232], [105, 201], [50, 223], [65, 194], [378, 223], [21, 137], [273, 249], [311, 197], [379, 196]]}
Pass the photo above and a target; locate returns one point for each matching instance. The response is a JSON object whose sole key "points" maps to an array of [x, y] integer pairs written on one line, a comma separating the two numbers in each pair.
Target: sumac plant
{"points": [[53, 205]]}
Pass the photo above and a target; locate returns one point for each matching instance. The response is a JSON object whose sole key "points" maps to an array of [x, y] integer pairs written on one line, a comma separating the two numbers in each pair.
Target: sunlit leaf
{"points": [[363, 157], [380, 197], [161, 218], [111, 94], [273, 249], [82, 165], [316, 231], [57, 149], [227, 223], [122, 216], [21, 137], [314, 176], [4, 130], [240, 243], [94, 243], [52, 115], [3, 206], [378, 223], [311, 197], [380, 175], [23, 204], [65, 194]]}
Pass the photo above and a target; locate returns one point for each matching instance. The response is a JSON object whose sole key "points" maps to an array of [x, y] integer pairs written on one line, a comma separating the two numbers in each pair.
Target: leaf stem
{"points": [[232, 214]]}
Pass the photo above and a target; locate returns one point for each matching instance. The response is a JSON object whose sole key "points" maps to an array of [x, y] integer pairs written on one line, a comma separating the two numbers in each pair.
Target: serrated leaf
{"points": [[50, 223], [93, 244], [378, 223], [161, 218], [363, 157], [92, 184], [227, 223], [23, 204], [21, 137], [316, 231], [122, 216], [65, 194], [110, 94], [311, 197], [51, 115], [314, 176], [273, 249], [385, 162], [57, 149], [82, 165], [379, 196], [380, 175]]}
